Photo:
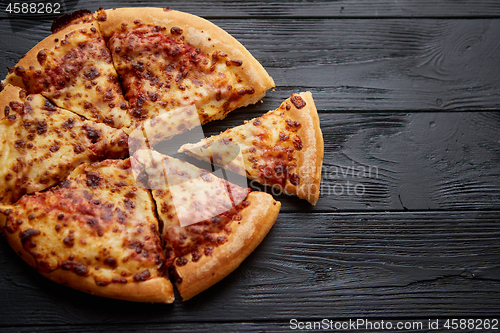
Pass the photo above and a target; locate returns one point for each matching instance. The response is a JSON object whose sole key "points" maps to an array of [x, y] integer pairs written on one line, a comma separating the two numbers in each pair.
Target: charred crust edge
{"points": [[67, 19]]}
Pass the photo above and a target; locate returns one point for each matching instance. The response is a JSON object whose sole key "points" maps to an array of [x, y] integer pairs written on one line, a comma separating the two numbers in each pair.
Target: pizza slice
{"points": [[168, 59], [73, 68], [40, 144], [283, 148], [96, 232], [209, 225]]}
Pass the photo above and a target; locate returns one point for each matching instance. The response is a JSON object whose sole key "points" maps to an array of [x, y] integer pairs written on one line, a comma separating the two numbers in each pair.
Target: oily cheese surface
{"points": [[233, 221], [193, 204], [41, 143], [74, 69], [96, 232]]}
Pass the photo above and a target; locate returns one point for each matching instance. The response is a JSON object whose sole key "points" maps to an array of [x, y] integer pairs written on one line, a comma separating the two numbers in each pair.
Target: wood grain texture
{"points": [[196, 327], [311, 8], [337, 265], [355, 64]]}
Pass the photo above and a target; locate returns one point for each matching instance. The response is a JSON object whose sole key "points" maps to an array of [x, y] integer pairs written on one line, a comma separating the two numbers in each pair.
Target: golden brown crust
{"points": [[246, 235], [310, 158], [198, 32], [79, 16], [155, 290], [10, 93]]}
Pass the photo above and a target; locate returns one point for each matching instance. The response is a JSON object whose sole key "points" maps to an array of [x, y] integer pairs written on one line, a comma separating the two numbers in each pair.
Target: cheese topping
{"points": [[268, 147]]}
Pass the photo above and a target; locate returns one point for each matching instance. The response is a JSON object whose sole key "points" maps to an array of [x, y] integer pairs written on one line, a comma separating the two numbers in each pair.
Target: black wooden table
{"points": [[407, 228]]}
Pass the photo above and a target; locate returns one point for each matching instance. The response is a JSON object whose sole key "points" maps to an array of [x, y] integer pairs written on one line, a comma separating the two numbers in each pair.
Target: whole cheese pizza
{"points": [[86, 200]]}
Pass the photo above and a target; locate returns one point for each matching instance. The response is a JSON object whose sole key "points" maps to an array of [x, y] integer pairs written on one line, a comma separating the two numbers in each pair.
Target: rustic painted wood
{"points": [[333, 265], [300, 9], [355, 64]]}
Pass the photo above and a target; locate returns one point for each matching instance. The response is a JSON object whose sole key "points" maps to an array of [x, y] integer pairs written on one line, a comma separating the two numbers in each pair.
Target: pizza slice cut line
{"points": [[230, 220]]}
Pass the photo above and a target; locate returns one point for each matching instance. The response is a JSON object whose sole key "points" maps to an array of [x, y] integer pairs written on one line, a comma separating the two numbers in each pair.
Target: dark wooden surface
{"points": [[408, 223]]}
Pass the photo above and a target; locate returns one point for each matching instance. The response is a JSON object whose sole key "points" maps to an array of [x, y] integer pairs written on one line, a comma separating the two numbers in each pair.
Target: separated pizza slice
{"points": [[96, 232], [40, 144], [283, 148], [209, 225], [169, 59], [73, 68]]}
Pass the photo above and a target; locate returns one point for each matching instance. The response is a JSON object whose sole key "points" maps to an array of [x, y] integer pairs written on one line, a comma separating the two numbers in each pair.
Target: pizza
{"points": [[84, 197], [283, 148]]}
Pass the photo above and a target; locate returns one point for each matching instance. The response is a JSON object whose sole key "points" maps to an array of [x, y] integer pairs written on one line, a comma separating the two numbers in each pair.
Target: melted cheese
{"points": [[97, 223], [162, 72], [77, 74], [194, 205], [41, 144]]}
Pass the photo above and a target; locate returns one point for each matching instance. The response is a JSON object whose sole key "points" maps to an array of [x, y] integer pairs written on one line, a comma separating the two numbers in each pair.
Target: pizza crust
{"points": [[197, 32], [155, 290], [310, 158], [11, 93], [258, 218]]}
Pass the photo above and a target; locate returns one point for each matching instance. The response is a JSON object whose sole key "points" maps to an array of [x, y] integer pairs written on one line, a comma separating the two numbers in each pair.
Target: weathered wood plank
{"points": [[390, 64], [230, 327], [336, 265], [399, 161], [317, 8]]}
